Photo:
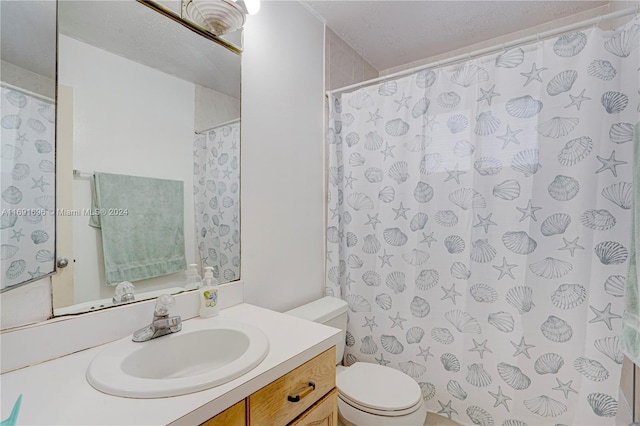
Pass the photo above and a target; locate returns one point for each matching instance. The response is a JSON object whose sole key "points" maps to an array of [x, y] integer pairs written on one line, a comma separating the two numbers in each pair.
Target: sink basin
{"points": [[201, 356]]}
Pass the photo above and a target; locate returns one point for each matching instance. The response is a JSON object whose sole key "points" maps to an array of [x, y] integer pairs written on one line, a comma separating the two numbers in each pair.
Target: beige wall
{"points": [[617, 5], [343, 65], [214, 108], [27, 80], [27, 304]]}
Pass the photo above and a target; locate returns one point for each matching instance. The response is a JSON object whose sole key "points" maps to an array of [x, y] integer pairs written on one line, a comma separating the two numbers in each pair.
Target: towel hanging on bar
{"points": [[142, 223]]}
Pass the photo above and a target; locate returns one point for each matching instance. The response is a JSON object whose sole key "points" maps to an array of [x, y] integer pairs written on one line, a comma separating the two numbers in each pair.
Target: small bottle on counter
{"points": [[209, 294], [194, 280]]}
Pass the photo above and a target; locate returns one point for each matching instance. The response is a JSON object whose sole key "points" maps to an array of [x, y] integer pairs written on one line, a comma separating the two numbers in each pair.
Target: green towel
{"points": [[142, 222], [631, 317]]}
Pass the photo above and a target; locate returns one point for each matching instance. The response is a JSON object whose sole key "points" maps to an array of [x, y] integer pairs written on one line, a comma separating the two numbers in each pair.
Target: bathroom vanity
{"points": [[294, 384], [305, 395]]}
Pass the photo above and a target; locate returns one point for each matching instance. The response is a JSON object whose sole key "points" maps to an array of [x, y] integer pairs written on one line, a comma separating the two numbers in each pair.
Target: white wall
{"points": [[282, 180], [128, 119]]}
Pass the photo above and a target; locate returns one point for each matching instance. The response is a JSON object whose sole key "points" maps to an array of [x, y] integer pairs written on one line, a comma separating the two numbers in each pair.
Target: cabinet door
{"points": [[323, 413], [281, 401], [232, 416]]}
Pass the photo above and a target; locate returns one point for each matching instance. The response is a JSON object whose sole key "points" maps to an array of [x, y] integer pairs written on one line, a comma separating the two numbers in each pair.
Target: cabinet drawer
{"points": [[324, 413], [232, 416], [283, 400]]}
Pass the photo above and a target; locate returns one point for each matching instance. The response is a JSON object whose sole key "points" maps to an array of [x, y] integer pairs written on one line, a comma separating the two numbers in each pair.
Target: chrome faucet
{"points": [[162, 323]]}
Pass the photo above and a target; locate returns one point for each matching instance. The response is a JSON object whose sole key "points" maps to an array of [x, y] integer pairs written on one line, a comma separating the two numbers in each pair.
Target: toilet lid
{"points": [[378, 387]]}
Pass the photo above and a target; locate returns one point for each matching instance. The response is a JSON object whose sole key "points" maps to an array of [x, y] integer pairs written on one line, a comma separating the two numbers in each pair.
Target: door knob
{"points": [[62, 262]]}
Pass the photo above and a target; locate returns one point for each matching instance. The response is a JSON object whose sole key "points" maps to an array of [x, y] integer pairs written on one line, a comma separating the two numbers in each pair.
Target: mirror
{"points": [[157, 104], [27, 139]]}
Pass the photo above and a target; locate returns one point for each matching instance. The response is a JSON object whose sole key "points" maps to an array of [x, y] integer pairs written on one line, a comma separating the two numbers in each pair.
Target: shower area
{"points": [[27, 129], [478, 225], [216, 185]]}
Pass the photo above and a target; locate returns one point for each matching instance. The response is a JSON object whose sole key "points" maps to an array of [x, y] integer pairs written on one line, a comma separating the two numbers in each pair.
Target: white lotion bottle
{"points": [[208, 295]]}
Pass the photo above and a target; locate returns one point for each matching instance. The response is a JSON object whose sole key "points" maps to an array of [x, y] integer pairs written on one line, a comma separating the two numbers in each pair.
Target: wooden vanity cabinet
{"points": [[307, 395], [232, 416], [323, 413]]}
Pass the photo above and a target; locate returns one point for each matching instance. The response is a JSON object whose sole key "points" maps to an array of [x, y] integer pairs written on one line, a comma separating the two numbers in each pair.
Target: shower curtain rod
{"points": [[27, 92], [487, 50], [226, 123]]}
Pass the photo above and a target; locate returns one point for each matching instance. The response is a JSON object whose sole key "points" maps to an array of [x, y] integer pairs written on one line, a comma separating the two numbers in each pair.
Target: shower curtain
{"points": [[478, 227], [27, 186], [216, 184]]}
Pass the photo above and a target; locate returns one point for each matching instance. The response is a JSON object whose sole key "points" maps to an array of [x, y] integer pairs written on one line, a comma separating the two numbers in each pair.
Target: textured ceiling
{"points": [[386, 33], [29, 35], [393, 33]]}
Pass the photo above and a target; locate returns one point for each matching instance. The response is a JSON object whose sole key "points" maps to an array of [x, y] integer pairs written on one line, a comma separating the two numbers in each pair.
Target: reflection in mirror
{"points": [[154, 110], [216, 187], [27, 120], [217, 20]]}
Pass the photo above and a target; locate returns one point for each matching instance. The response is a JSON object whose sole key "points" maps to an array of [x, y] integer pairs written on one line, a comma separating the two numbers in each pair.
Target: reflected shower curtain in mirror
{"points": [[478, 227], [28, 182], [216, 185]]}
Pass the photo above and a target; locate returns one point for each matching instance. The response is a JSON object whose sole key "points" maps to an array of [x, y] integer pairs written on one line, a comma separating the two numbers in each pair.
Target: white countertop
{"points": [[57, 393]]}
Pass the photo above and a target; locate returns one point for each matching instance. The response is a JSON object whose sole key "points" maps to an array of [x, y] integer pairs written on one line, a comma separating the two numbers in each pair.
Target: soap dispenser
{"points": [[209, 294], [194, 280]]}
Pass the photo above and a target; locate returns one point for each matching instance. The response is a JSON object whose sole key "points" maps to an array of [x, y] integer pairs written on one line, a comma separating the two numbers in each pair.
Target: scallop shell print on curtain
{"points": [[479, 227], [216, 177], [27, 190]]}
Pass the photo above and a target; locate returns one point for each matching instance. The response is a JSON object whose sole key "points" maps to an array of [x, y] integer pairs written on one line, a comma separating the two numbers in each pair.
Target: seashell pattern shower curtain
{"points": [[27, 188], [478, 227], [216, 187]]}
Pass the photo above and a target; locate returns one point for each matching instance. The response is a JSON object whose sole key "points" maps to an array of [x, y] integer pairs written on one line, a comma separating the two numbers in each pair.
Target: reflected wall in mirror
{"points": [[27, 135], [158, 106], [221, 21]]}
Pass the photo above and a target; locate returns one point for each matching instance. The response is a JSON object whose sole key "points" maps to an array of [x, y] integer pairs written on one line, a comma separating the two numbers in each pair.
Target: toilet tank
{"points": [[329, 311]]}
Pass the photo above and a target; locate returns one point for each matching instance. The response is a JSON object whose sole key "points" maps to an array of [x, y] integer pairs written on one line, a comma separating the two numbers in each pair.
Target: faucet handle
{"points": [[124, 292], [163, 303]]}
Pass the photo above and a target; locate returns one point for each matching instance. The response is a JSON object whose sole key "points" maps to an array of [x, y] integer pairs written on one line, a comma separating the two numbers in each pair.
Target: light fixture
{"points": [[219, 16], [253, 6]]}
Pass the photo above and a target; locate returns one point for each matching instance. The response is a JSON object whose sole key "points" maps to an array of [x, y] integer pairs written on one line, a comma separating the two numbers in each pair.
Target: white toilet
{"points": [[368, 394]]}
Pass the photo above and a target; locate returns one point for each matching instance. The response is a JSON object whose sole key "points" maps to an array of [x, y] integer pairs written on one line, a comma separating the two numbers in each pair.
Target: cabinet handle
{"points": [[311, 387]]}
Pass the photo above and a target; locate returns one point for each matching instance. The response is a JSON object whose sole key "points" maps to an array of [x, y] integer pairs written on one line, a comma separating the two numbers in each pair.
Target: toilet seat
{"points": [[378, 390]]}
